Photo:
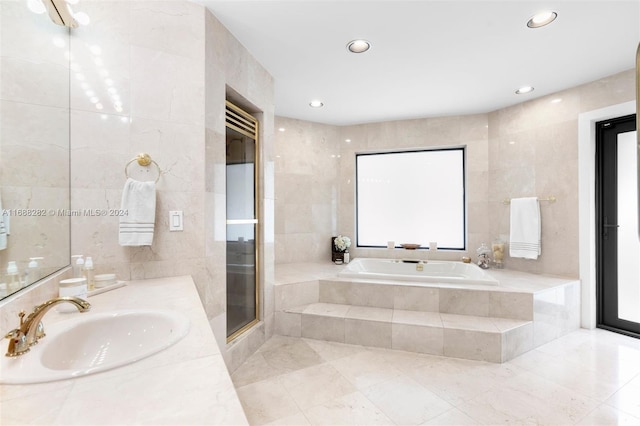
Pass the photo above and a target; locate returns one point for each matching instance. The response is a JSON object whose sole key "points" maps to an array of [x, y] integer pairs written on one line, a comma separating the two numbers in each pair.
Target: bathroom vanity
{"points": [[187, 383]]}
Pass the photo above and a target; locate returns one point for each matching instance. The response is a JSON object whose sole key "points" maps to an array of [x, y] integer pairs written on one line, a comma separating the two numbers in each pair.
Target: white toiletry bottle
{"points": [[13, 277], [78, 266], [33, 271], [89, 273], [347, 257]]}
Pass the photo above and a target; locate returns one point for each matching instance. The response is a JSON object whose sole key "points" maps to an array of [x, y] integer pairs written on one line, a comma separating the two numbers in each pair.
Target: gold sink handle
{"points": [[31, 330]]}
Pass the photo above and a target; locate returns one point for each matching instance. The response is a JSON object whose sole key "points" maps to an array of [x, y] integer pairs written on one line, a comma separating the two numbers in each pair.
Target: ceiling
{"points": [[429, 58]]}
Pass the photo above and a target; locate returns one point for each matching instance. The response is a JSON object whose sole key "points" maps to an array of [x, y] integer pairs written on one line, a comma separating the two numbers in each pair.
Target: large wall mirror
{"points": [[34, 146]]}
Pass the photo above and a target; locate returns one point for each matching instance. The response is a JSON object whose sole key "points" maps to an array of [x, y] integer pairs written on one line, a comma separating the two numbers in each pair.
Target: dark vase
{"points": [[336, 255]]}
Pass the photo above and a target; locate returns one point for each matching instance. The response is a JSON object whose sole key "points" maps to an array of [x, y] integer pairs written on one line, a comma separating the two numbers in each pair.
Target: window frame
{"points": [[461, 148]]}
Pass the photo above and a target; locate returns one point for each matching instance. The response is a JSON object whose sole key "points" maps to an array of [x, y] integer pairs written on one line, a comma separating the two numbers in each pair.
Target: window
{"points": [[411, 197]]}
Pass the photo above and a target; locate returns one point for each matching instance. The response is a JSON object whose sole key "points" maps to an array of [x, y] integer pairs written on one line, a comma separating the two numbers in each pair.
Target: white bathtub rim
{"points": [[414, 279]]}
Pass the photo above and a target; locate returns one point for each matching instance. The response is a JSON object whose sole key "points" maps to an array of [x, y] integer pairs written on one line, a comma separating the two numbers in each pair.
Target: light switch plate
{"points": [[175, 220]]}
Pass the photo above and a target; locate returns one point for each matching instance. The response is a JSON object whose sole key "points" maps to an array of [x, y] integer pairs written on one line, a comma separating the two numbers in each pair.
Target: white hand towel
{"points": [[139, 201], [4, 227], [525, 228]]}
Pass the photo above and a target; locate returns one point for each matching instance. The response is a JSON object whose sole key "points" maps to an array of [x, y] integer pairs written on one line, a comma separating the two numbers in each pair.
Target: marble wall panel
{"points": [[230, 72], [157, 24], [533, 151], [37, 135], [167, 87], [529, 149], [104, 140], [145, 77], [306, 168]]}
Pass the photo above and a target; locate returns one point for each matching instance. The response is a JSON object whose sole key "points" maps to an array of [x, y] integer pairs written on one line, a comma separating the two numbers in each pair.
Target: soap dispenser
{"points": [[13, 277], [78, 266], [33, 270], [89, 273]]}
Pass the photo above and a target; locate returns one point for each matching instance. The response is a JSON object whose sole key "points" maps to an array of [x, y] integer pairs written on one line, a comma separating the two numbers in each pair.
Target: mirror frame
{"points": [[638, 127]]}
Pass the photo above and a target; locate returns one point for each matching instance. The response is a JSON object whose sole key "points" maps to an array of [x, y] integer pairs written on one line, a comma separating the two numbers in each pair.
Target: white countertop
{"points": [[187, 383]]}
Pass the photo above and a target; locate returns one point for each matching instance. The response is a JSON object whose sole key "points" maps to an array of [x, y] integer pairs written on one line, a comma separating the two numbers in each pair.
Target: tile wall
{"points": [[161, 71], [470, 130], [529, 149], [533, 151], [306, 166]]}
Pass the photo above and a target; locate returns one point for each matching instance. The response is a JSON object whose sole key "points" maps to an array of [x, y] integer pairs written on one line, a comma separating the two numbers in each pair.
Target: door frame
{"points": [[586, 204], [627, 121]]}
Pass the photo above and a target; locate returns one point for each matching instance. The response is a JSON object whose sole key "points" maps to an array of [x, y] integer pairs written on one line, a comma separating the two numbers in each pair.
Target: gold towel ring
{"points": [[144, 160]]}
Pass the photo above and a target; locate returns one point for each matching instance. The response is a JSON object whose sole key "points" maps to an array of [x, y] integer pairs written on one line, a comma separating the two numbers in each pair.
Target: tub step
{"points": [[481, 301], [461, 336]]}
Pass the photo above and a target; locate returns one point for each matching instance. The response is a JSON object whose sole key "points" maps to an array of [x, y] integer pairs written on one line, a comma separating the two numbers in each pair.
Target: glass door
{"points": [[242, 221], [618, 245]]}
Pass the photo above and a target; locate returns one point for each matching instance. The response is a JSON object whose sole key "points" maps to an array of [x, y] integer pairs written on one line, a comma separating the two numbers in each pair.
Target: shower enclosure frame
{"points": [[241, 121]]}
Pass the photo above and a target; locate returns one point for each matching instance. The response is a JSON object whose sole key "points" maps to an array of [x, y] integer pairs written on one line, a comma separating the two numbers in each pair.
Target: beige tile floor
{"points": [[588, 377]]}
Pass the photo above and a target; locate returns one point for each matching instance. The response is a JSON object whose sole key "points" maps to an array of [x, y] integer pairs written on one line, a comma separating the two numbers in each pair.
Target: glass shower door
{"points": [[242, 227]]}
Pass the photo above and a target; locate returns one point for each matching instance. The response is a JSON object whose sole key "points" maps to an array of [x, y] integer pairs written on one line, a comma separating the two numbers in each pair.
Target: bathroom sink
{"points": [[92, 343]]}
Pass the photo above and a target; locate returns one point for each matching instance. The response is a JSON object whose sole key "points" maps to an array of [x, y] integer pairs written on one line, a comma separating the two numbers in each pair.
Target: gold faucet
{"points": [[31, 330]]}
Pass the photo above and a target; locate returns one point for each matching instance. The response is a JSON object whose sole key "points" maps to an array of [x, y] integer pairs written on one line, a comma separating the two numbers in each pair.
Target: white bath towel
{"points": [[525, 228], [4, 227], [139, 203]]}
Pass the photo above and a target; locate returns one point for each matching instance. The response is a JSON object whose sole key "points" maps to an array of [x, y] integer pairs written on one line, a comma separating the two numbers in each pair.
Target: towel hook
{"points": [[144, 160]]}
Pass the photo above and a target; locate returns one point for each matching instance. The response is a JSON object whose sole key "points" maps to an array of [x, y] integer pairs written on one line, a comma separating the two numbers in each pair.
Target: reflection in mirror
{"points": [[34, 146]]}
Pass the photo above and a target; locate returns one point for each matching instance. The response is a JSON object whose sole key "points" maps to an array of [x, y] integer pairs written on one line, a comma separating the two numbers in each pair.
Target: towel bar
{"points": [[551, 199], [144, 160]]}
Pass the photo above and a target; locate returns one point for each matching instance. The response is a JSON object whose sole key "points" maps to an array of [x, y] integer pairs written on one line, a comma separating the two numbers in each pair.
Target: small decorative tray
{"points": [[410, 246], [100, 290]]}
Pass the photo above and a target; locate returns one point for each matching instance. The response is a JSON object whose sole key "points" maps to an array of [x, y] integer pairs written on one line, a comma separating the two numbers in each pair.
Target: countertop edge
{"points": [[166, 388]]}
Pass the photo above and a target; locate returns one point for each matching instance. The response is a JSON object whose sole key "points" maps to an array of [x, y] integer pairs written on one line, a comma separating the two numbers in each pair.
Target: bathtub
{"points": [[433, 271]]}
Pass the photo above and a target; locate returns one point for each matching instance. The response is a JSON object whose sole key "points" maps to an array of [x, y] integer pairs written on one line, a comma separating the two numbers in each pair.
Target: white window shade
{"points": [[411, 197]]}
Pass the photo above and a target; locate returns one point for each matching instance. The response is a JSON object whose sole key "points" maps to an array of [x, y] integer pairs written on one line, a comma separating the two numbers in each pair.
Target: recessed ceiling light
{"points": [[541, 19], [347, 140], [316, 104], [524, 89], [282, 129], [358, 46], [556, 100]]}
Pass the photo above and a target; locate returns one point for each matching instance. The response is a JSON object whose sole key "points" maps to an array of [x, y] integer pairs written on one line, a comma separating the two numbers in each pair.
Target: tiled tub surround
{"points": [[490, 323], [528, 149], [187, 383]]}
